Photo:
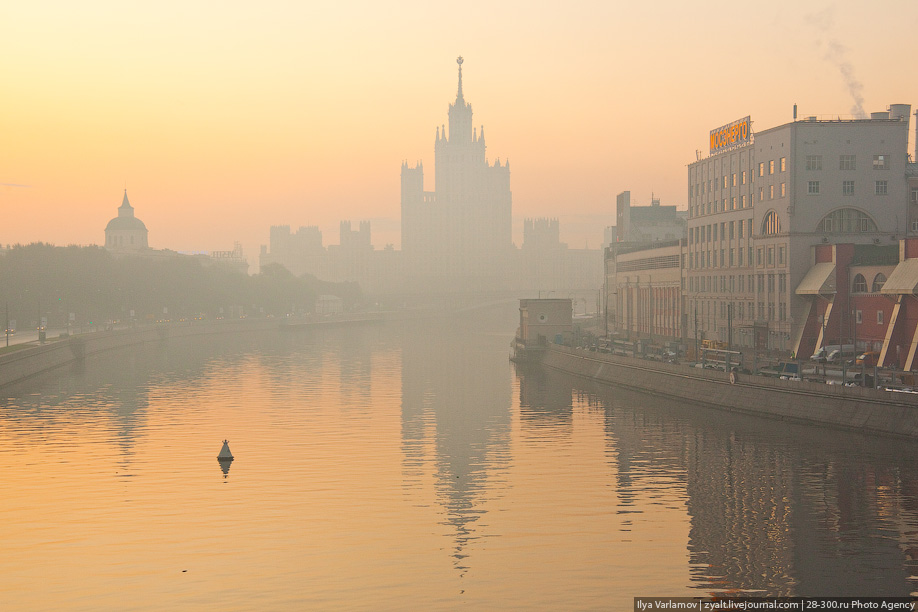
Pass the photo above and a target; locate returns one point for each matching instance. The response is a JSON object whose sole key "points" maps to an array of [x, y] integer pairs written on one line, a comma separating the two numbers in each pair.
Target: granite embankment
{"points": [[30, 361], [854, 408]]}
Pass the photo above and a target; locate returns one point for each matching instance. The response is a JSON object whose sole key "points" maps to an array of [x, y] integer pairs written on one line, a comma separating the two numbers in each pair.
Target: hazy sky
{"points": [[224, 118]]}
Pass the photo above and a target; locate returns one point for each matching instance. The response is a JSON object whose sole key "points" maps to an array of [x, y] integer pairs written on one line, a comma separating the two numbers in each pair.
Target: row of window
{"points": [[860, 283], [742, 256], [846, 162], [771, 166], [728, 230], [880, 188], [734, 203], [741, 310], [737, 283]]}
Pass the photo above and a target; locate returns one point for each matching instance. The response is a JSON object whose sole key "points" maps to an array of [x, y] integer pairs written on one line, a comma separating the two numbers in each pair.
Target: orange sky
{"points": [[223, 119]]}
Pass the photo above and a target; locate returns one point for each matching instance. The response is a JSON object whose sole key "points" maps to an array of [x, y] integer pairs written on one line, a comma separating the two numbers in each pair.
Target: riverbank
{"points": [[34, 359], [853, 408]]}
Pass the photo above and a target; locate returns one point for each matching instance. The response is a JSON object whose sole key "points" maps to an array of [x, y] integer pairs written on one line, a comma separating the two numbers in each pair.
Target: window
{"points": [[879, 317], [733, 203], [743, 200], [914, 195], [783, 189], [758, 258], [860, 284], [846, 162], [846, 221], [725, 181], [771, 263], [771, 167], [878, 281], [812, 187], [848, 188], [858, 316], [881, 162], [771, 225], [882, 188], [782, 256], [762, 169], [744, 177], [761, 194], [734, 179], [740, 228], [783, 164], [915, 226], [814, 162]]}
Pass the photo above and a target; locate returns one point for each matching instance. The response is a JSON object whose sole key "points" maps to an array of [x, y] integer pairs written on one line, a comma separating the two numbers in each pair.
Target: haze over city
{"points": [[222, 120]]}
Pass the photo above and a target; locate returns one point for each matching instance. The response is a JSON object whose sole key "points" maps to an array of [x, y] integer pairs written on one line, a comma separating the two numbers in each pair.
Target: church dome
{"points": [[125, 223]]}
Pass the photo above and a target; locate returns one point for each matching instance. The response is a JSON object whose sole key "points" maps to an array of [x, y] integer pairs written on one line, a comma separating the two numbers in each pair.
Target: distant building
{"points": [[235, 258], [643, 224], [545, 264], [126, 232], [457, 238], [353, 259]]}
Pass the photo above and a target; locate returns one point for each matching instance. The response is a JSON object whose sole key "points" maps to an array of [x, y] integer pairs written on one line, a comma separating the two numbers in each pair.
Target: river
{"points": [[412, 466]]}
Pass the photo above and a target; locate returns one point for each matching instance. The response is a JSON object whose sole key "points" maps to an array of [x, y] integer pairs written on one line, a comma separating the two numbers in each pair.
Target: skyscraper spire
{"points": [[460, 100]]}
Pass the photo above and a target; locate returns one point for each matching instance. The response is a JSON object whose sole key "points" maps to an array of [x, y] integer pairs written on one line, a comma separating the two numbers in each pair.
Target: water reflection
{"points": [[411, 462], [775, 509], [456, 407]]}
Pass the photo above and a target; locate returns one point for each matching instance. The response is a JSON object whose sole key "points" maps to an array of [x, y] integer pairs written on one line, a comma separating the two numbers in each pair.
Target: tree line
{"points": [[96, 286]]}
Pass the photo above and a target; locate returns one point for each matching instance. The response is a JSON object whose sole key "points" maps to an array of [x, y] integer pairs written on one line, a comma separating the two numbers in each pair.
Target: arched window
{"points": [[771, 225], [878, 281], [846, 221], [860, 284]]}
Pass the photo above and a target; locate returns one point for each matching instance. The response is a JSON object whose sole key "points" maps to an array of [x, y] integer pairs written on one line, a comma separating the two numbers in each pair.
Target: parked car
{"points": [[870, 358]]}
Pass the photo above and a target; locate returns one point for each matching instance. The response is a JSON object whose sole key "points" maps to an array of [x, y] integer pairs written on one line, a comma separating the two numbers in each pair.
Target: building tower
{"points": [[126, 232], [457, 239]]}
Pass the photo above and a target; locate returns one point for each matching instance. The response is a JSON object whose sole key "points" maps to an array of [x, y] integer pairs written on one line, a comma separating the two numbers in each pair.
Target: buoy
{"points": [[225, 454], [225, 458]]}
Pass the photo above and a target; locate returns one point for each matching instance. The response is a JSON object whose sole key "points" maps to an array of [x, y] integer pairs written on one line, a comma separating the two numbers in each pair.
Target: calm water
{"points": [[407, 466]]}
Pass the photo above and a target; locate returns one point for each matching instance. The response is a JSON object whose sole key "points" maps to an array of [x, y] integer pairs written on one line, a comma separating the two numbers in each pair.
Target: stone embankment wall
{"points": [[854, 408], [27, 362]]}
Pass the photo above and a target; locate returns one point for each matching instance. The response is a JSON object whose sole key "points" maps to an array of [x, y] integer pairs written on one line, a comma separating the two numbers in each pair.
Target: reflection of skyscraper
{"points": [[458, 237], [455, 416]]}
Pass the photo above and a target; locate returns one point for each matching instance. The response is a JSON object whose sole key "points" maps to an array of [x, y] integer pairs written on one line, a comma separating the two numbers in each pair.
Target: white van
{"points": [[824, 353]]}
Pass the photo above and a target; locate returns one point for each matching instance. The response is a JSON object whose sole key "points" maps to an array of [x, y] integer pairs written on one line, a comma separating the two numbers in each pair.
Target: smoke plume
{"points": [[837, 55]]}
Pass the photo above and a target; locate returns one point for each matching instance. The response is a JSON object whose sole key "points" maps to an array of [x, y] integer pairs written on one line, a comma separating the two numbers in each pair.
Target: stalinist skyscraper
{"points": [[457, 238]]}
